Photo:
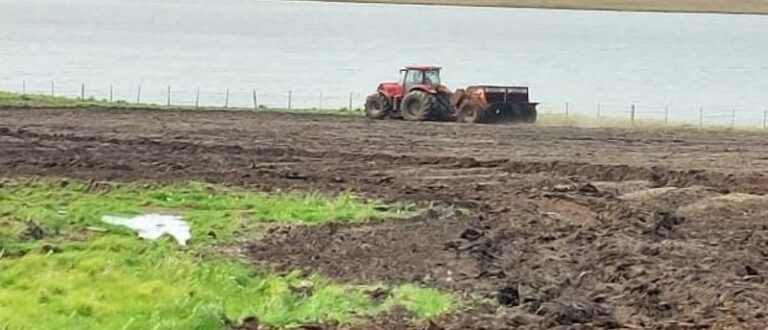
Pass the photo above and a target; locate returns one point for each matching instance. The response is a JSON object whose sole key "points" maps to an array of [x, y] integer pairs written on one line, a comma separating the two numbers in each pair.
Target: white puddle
{"points": [[152, 226]]}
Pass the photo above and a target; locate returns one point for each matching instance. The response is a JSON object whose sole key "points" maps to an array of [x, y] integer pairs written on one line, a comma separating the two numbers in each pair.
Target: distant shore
{"points": [[684, 6]]}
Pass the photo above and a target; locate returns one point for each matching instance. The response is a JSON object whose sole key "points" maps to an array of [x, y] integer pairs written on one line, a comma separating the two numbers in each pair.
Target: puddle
{"points": [[152, 226]]}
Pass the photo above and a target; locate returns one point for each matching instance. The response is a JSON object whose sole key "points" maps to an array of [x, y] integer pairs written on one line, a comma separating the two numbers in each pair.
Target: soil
{"points": [[567, 227]]}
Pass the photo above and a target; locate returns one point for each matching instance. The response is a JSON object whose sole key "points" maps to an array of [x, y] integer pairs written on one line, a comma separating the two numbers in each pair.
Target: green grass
{"points": [[16, 100], [77, 277], [9, 99], [216, 213], [423, 303]]}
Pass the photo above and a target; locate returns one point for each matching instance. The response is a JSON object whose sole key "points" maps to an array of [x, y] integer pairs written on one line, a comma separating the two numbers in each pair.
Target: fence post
{"points": [[52, 91], [138, 95], [632, 115], [733, 118], [765, 118], [666, 115], [168, 100], [111, 92], [701, 117], [290, 97], [598, 111], [197, 98], [82, 91], [255, 101], [226, 100], [350, 101], [23, 87], [567, 109]]}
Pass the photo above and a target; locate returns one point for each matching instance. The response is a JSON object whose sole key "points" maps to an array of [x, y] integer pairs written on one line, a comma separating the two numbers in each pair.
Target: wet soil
{"points": [[568, 227]]}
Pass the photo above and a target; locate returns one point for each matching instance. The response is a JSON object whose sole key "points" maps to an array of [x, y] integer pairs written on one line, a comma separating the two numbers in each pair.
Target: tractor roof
{"points": [[422, 67]]}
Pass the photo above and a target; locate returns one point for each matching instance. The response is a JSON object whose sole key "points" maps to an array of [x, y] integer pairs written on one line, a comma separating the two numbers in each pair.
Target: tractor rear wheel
{"points": [[418, 106], [444, 110], [377, 106], [471, 112]]}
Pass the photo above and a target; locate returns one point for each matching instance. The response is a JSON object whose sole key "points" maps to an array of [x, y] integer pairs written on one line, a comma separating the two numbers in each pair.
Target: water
{"points": [[154, 226], [581, 57]]}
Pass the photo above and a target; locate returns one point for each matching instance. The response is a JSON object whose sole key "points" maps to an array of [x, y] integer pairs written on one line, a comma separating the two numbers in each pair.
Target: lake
{"points": [[322, 52]]}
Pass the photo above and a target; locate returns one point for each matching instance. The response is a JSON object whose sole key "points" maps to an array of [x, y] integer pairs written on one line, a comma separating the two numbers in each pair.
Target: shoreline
{"points": [[744, 7]]}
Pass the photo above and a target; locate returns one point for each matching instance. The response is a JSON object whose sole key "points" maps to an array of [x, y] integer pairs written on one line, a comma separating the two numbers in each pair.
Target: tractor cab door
{"points": [[432, 78], [412, 78]]}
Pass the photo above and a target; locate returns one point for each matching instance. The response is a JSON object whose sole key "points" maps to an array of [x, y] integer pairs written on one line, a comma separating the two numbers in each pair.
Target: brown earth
{"points": [[569, 227]]}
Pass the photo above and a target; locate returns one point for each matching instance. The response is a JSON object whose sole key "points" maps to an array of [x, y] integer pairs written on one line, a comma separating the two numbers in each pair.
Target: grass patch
{"points": [[423, 303], [114, 283], [215, 213], [121, 283], [74, 277], [16, 100], [9, 99]]}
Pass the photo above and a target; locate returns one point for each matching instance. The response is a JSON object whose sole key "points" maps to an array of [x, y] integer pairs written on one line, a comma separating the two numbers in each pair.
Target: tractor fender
{"points": [[425, 89], [443, 90], [431, 89]]}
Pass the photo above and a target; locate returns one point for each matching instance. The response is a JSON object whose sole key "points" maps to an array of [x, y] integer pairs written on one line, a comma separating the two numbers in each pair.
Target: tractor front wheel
{"points": [[418, 106], [377, 106], [471, 112]]}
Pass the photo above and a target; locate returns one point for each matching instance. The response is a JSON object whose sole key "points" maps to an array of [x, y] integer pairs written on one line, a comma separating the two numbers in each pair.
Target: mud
{"points": [[568, 227]]}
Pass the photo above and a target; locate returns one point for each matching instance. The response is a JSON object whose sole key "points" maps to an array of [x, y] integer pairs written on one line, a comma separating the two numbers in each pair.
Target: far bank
{"points": [[683, 6]]}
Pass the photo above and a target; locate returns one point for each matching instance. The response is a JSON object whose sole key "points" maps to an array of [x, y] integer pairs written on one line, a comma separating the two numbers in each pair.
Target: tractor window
{"points": [[432, 78], [414, 77]]}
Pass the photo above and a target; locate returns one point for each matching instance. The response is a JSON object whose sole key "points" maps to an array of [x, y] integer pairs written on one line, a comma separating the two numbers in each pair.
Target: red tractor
{"points": [[417, 96], [420, 96]]}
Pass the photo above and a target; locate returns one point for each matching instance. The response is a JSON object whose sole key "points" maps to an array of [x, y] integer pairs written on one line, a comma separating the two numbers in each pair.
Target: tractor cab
{"points": [[412, 76], [424, 78]]}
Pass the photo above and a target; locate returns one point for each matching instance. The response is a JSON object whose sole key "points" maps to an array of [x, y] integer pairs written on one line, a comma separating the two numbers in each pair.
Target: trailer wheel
{"points": [[418, 106], [470, 112], [377, 106]]}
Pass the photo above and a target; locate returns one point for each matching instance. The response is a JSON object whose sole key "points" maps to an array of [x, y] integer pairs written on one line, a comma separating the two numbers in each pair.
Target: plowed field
{"points": [[565, 226]]}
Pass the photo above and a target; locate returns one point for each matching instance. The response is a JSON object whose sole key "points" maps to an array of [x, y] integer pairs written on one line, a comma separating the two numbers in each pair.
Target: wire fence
{"points": [[169, 95], [598, 114]]}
